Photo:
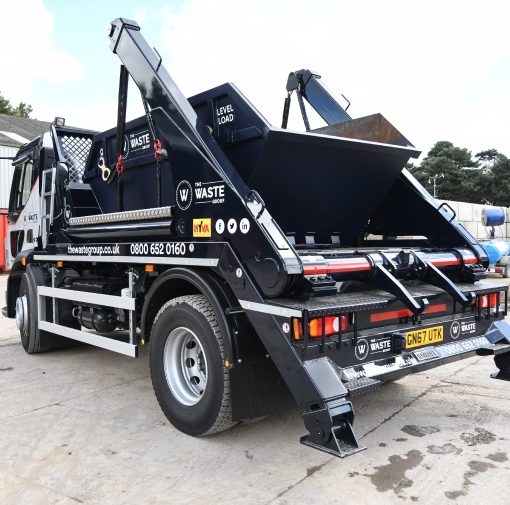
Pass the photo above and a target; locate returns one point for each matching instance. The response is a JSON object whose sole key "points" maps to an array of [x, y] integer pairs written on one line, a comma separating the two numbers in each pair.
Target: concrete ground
{"points": [[82, 425]]}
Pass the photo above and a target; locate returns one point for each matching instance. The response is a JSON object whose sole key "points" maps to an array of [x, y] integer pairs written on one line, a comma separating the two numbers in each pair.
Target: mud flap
{"points": [[331, 430]]}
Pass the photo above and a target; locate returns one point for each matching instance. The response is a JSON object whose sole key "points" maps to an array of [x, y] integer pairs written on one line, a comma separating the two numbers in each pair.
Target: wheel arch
{"points": [[181, 281], [14, 280]]}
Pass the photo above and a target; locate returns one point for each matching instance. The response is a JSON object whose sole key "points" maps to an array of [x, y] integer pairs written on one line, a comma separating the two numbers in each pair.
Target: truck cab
{"points": [[24, 200]]}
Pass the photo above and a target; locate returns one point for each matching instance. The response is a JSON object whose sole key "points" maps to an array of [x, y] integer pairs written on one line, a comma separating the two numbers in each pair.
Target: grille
{"points": [[75, 150]]}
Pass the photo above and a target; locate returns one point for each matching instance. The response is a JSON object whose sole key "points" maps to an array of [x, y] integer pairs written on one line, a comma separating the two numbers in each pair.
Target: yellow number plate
{"points": [[424, 336]]}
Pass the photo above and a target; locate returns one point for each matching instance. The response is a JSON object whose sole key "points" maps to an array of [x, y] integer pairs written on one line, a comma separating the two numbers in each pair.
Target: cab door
{"points": [[23, 216]]}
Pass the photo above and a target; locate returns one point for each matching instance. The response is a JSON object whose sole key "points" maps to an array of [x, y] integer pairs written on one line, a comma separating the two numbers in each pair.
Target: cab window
{"points": [[22, 183], [28, 173]]}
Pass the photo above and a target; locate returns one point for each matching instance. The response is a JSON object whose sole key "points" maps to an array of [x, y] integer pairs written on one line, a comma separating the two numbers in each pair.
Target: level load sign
{"points": [[224, 117]]}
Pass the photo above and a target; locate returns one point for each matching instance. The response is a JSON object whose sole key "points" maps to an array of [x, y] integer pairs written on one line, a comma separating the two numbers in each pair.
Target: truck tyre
{"points": [[506, 271], [187, 365], [26, 317]]}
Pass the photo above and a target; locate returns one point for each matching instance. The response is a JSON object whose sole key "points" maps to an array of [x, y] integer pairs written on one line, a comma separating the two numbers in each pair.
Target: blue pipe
{"points": [[496, 249]]}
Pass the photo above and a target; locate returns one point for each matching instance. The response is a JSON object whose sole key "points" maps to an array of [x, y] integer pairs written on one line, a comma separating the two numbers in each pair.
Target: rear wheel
{"points": [[187, 366]]}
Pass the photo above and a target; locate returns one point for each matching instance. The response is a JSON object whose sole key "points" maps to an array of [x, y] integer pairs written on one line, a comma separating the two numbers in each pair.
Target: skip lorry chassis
{"points": [[264, 267]]}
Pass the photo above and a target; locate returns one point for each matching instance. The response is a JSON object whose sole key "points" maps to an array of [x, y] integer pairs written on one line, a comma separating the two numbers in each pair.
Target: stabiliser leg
{"points": [[499, 336], [503, 363], [331, 430]]}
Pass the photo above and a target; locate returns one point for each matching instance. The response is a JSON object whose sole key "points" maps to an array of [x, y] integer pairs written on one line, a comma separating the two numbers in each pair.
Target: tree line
{"points": [[21, 110], [453, 173]]}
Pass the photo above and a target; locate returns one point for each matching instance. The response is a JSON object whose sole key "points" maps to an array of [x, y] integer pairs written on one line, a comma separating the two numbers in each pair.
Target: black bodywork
{"points": [[304, 205]]}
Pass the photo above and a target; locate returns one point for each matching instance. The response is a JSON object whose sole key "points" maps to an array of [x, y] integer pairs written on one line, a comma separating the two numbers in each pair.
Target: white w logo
{"points": [[361, 348], [184, 194]]}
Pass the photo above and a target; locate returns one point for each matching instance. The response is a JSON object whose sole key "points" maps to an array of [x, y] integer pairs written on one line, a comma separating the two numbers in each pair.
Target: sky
{"points": [[438, 70]]}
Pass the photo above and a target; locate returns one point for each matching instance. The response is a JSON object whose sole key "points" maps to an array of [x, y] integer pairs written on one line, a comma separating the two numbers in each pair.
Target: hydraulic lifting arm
{"points": [[306, 84], [160, 91]]}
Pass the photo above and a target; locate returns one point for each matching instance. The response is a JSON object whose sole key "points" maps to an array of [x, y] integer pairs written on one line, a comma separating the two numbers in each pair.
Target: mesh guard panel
{"points": [[75, 150]]}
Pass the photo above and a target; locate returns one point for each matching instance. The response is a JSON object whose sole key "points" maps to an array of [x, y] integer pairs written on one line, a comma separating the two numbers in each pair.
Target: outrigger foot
{"points": [[331, 430]]}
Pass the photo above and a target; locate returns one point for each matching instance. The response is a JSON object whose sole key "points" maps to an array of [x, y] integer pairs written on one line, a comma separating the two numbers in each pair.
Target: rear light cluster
{"points": [[332, 326], [487, 301]]}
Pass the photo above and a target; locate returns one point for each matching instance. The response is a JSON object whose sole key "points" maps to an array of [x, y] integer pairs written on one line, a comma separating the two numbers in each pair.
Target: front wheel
{"points": [[26, 317], [187, 363]]}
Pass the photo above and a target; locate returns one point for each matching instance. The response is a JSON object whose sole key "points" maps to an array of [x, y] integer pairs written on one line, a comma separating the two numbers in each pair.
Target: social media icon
{"points": [[244, 225], [220, 226], [232, 226]]}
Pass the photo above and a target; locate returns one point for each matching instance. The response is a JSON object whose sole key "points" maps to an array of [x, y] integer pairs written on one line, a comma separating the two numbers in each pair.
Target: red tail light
{"points": [[482, 302], [331, 326], [485, 301]]}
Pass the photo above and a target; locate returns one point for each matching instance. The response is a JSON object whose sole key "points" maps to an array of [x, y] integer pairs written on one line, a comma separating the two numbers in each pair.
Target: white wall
{"points": [[6, 171], [470, 215]]}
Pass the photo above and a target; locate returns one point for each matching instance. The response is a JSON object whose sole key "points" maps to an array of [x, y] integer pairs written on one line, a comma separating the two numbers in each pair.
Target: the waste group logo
{"points": [[202, 227], [184, 195], [203, 192], [380, 345], [361, 349], [455, 330], [467, 327]]}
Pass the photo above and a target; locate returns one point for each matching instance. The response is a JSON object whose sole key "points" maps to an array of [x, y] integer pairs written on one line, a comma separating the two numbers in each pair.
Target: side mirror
{"points": [[12, 217]]}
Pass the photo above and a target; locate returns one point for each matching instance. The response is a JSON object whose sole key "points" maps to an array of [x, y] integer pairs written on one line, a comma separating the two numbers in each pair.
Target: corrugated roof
{"points": [[27, 128], [7, 141]]}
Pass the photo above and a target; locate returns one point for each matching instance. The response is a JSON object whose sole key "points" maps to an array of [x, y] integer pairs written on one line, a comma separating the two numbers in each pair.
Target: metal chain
{"points": [[286, 109], [158, 149]]}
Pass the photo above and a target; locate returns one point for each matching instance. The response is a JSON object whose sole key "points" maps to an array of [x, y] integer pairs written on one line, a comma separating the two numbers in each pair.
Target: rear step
{"points": [[361, 386], [331, 430]]}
